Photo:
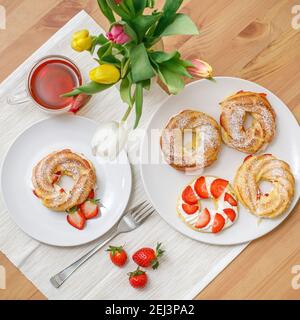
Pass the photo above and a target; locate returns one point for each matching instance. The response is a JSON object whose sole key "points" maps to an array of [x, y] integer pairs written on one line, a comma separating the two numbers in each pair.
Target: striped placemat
{"points": [[188, 265]]}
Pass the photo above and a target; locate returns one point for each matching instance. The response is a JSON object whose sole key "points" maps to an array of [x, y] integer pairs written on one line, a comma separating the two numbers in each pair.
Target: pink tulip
{"points": [[117, 34], [200, 69]]}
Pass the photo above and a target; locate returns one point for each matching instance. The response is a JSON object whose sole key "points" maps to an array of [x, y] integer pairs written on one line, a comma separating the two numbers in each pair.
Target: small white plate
{"points": [[56, 133], [163, 183]]}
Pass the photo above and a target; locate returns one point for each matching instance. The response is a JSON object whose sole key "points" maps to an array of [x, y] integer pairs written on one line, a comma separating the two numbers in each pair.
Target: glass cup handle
{"points": [[18, 97]]}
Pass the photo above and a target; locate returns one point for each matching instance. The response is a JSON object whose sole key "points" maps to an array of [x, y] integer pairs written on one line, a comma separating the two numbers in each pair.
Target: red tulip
{"points": [[118, 1]]}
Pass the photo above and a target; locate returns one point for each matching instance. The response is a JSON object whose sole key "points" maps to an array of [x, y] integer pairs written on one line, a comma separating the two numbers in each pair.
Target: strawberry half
{"points": [[217, 187], [200, 188], [76, 218], [90, 208], [230, 213], [189, 208], [230, 199], [218, 223], [189, 196], [203, 219]]}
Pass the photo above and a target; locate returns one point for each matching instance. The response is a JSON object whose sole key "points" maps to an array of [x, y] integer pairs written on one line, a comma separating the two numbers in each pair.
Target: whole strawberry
{"points": [[118, 255], [138, 278], [146, 257]]}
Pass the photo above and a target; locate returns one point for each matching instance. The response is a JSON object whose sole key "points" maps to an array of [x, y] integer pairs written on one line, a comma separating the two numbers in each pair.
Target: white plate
{"points": [[60, 132], [163, 183]]}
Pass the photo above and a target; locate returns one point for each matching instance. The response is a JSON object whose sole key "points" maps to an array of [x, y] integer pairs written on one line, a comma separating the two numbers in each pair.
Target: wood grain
{"points": [[252, 39]]}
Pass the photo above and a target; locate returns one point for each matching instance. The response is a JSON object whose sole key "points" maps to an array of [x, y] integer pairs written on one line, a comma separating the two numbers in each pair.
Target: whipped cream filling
{"points": [[220, 205]]}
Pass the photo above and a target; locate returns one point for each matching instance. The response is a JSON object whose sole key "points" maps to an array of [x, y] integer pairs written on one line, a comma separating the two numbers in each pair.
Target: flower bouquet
{"points": [[127, 54]]}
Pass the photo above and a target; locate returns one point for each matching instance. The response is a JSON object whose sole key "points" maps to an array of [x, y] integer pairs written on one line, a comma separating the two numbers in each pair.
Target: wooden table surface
{"points": [[251, 39]]}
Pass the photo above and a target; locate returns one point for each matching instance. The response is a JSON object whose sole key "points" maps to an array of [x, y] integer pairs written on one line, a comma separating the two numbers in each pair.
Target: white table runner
{"points": [[188, 265]]}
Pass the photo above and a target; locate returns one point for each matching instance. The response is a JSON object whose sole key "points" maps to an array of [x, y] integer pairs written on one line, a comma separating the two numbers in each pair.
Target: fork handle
{"points": [[62, 276]]}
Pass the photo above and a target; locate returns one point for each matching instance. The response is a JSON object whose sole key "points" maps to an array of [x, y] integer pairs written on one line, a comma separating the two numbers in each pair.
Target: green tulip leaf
{"points": [[142, 23], [106, 10], [169, 13], [160, 56], [139, 6], [89, 88], [171, 79], [125, 91], [141, 68], [119, 10], [182, 24]]}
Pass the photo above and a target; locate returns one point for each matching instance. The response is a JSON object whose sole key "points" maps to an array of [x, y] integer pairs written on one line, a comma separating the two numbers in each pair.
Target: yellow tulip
{"points": [[105, 73], [81, 40]]}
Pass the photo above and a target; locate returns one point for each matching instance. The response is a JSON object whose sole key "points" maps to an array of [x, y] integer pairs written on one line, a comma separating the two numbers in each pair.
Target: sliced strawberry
{"points": [[189, 196], [248, 157], [76, 218], [217, 187], [203, 219], [91, 194], [230, 199], [189, 208], [200, 188], [230, 213], [218, 223], [90, 208]]}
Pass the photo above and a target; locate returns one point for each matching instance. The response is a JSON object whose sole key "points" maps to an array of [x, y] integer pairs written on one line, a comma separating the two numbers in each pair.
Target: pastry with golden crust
{"points": [[259, 168], [205, 142], [46, 173], [234, 112]]}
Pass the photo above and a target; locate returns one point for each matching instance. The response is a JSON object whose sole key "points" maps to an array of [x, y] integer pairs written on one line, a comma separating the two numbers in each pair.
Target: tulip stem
{"points": [[127, 113]]}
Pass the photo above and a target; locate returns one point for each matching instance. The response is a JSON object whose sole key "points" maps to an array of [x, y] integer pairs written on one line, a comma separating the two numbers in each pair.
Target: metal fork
{"points": [[131, 220]]}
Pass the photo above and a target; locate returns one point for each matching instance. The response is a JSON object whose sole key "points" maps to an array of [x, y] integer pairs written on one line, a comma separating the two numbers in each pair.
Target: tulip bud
{"points": [[109, 140], [117, 34], [200, 69], [105, 73], [81, 40]]}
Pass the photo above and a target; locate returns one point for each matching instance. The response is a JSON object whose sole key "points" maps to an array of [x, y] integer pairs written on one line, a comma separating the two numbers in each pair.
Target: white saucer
{"points": [[56, 133], [163, 183]]}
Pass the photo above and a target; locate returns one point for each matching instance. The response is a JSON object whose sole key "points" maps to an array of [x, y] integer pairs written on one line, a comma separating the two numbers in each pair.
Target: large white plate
{"points": [[163, 183], [60, 132]]}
